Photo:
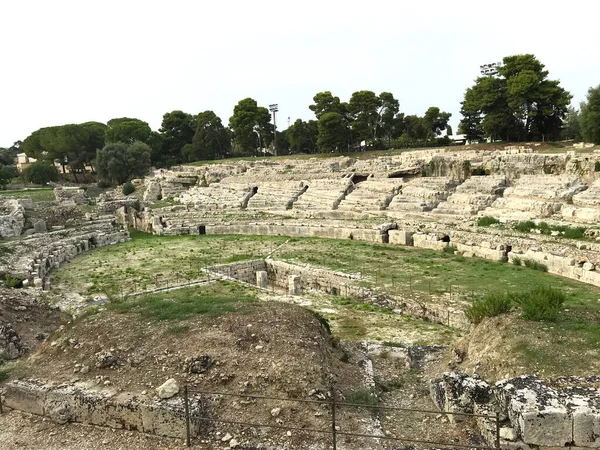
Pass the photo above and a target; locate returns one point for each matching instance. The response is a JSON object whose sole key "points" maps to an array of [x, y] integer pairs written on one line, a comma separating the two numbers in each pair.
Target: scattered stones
{"points": [[198, 364], [105, 359]]}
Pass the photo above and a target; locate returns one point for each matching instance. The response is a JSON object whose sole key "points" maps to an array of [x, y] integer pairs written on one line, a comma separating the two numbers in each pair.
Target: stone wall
{"points": [[71, 194], [243, 271], [12, 218], [531, 412], [79, 403]]}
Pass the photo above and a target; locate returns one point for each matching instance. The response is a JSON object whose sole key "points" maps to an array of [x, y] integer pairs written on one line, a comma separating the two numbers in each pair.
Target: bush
{"points": [[128, 188], [517, 261], [490, 305], [41, 172], [103, 184], [450, 249], [541, 303], [525, 226], [597, 166], [486, 221], [11, 282], [531, 264], [7, 173]]}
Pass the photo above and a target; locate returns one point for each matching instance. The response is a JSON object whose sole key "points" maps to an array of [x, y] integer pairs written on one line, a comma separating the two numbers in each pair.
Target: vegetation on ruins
{"points": [[128, 188], [41, 172], [519, 103], [527, 226], [532, 264], [486, 221], [118, 162]]}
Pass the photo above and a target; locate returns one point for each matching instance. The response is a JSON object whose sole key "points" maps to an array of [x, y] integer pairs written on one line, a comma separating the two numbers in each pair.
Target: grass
{"points": [[182, 304], [559, 230], [363, 397], [486, 221], [531, 264], [36, 195]]}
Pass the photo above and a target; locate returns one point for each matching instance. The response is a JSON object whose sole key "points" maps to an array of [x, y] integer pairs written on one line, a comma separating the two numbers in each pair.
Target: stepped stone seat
{"points": [[534, 196], [423, 194], [276, 195], [472, 196], [217, 196], [372, 194], [323, 194], [586, 206]]}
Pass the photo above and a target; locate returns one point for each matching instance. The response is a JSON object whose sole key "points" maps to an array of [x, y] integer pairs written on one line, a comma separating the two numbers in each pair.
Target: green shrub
{"points": [[128, 188], [541, 303], [366, 397], [574, 233], [525, 226], [103, 184], [490, 305], [4, 374], [486, 221], [11, 282], [41, 172], [531, 264], [517, 261], [450, 249], [597, 166]]}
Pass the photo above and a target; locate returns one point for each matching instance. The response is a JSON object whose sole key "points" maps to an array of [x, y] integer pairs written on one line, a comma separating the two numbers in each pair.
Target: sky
{"points": [[77, 61]]}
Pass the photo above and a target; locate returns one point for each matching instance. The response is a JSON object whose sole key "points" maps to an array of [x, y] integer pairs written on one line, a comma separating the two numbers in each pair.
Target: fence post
{"points": [[333, 430], [187, 416], [497, 430]]}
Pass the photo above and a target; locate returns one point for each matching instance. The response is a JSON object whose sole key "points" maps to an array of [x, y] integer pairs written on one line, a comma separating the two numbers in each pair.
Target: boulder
{"points": [[168, 389]]}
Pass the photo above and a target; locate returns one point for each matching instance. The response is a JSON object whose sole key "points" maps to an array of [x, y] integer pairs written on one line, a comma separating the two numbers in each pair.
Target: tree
{"points": [[41, 172], [332, 132], [119, 162], [177, 129], [470, 125], [519, 103], [250, 123], [364, 110], [127, 130], [388, 116], [436, 121], [590, 116], [325, 102], [211, 139], [571, 129], [302, 136], [7, 173]]}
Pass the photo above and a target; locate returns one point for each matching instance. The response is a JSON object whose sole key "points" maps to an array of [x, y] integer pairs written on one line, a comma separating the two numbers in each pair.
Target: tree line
{"points": [[519, 102]]}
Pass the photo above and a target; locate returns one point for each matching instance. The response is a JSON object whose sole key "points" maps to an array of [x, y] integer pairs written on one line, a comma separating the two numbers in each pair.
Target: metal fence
{"points": [[333, 429]]}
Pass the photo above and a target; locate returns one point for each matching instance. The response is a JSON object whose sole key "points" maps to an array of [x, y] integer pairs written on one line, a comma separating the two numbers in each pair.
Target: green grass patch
{"points": [[486, 221], [4, 374], [364, 397], [547, 229], [36, 195], [182, 304]]}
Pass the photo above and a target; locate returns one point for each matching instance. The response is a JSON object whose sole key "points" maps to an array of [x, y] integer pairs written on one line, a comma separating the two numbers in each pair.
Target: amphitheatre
{"points": [[269, 290]]}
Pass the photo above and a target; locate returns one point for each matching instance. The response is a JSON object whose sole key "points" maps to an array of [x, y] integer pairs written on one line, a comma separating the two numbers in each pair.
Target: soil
{"points": [[32, 318]]}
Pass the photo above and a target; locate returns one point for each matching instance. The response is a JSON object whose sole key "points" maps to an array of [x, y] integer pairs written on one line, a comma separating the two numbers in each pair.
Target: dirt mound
{"points": [[25, 321], [507, 346], [264, 348]]}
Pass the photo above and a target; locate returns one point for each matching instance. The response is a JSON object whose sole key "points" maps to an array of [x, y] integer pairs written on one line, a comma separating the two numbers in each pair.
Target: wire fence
{"points": [[333, 430]]}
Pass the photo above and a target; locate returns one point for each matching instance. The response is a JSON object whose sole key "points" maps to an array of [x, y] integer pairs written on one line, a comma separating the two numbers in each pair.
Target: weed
{"points": [[541, 303], [4, 374], [450, 249], [531, 264], [597, 166], [525, 226], [11, 282], [486, 221], [362, 398], [490, 305], [177, 329], [517, 261]]}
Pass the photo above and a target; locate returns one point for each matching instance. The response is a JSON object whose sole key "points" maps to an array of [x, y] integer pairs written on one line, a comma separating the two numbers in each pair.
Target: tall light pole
{"points": [[490, 69], [274, 108]]}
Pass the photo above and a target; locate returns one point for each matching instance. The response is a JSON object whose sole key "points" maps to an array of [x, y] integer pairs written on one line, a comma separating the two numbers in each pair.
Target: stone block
{"points": [[400, 237], [40, 226], [261, 279], [294, 284]]}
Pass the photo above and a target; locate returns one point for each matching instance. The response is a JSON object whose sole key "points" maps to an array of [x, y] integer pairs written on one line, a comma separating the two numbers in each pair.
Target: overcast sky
{"points": [[77, 61]]}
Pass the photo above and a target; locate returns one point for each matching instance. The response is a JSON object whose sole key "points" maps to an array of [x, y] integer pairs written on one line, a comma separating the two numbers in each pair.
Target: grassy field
{"points": [[150, 260], [36, 195]]}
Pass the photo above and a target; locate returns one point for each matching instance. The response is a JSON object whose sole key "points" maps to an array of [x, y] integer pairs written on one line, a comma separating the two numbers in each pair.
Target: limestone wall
{"points": [[12, 218], [244, 271], [79, 403], [532, 413], [73, 194]]}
